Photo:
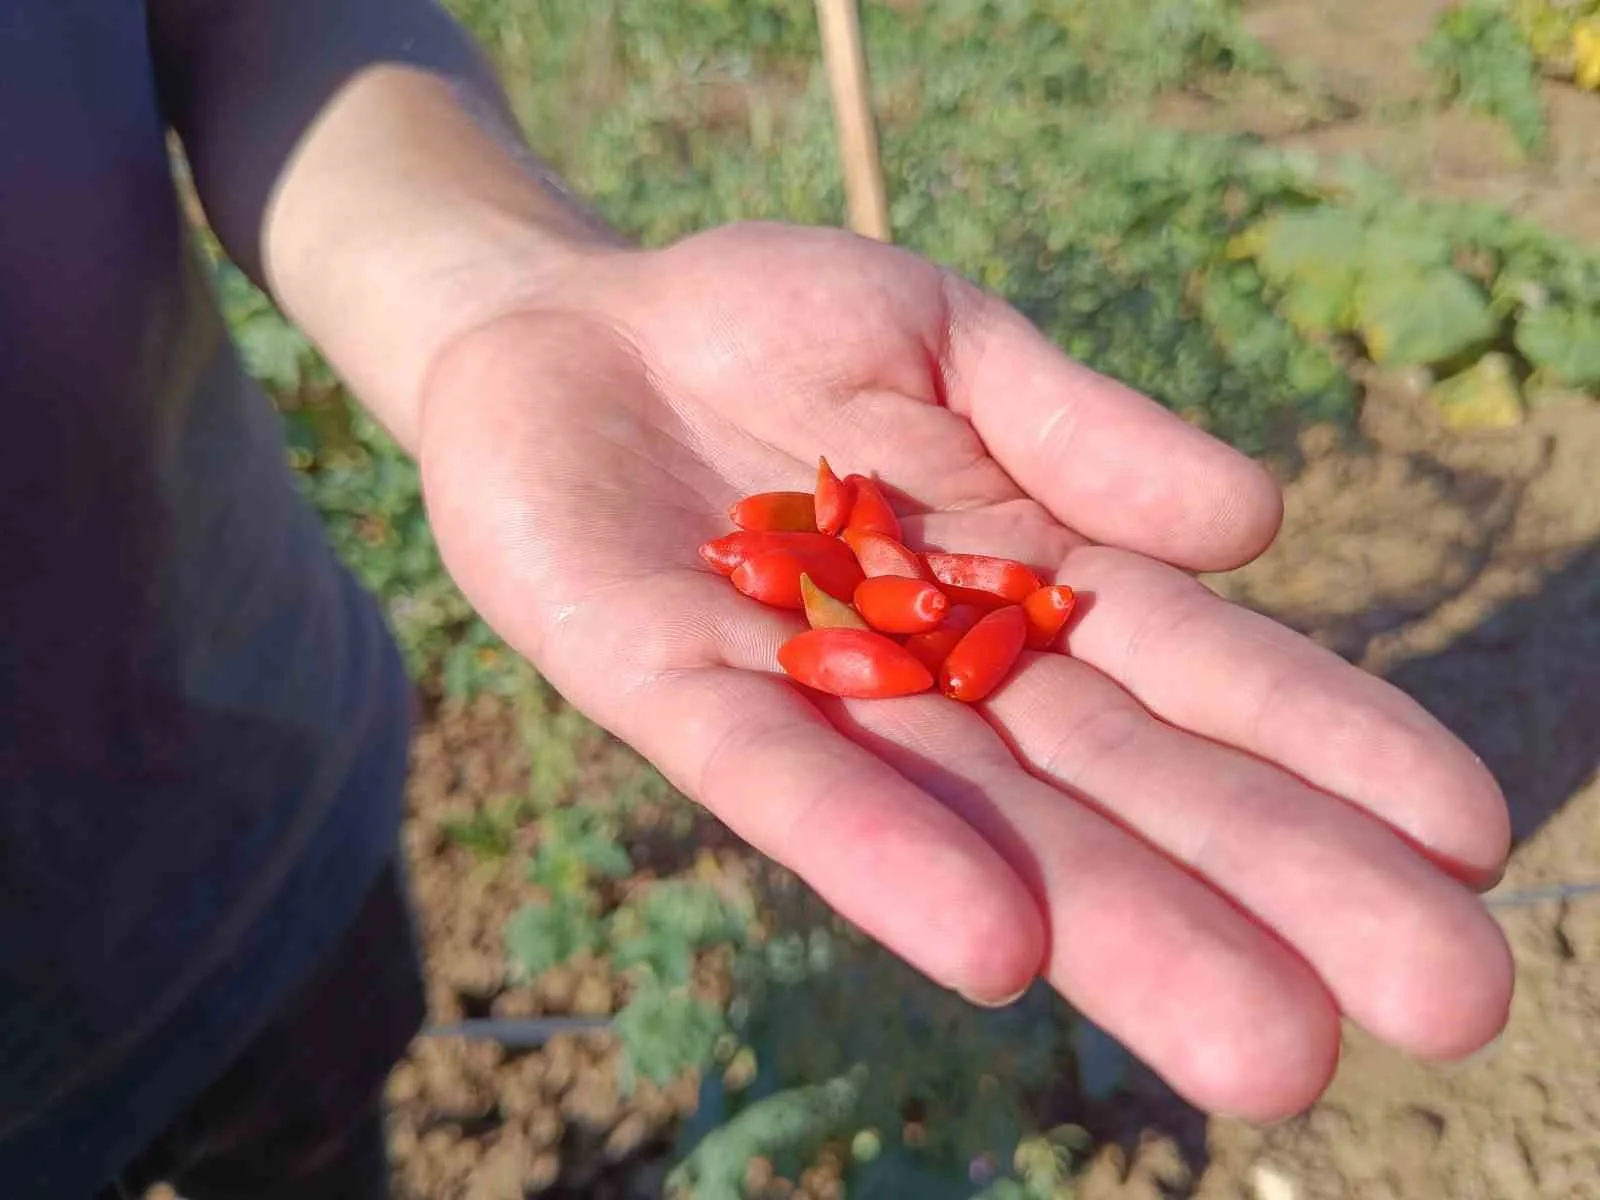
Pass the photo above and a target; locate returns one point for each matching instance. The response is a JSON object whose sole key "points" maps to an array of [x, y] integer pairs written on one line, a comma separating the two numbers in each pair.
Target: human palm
{"points": [[1211, 835]]}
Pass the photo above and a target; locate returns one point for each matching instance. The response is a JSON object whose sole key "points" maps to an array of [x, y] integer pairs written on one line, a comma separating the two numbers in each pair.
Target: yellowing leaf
{"points": [[1314, 257], [1586, 54], [1484, 396]]}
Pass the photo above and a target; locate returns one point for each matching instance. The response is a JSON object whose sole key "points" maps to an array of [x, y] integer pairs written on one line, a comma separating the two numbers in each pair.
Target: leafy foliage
{"points": [[1481, 58], [674, 919], [797, 1120], [541, 936], [1432, 284], [274, 352], [666, 1031], [1010, 176], [1563, 342], [1564, 35], [577, 849], [972, 1100], [489, 833]]}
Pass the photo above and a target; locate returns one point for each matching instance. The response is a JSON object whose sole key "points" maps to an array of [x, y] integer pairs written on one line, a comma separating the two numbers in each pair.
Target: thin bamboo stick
{"points": [[844, 56]]}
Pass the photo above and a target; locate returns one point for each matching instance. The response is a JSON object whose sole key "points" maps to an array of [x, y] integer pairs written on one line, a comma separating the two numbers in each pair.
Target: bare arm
{"points": [[359, 159]]}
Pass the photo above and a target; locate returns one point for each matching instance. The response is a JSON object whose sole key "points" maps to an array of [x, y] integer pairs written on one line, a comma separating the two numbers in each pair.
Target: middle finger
{"points": [[1219, 1007]]}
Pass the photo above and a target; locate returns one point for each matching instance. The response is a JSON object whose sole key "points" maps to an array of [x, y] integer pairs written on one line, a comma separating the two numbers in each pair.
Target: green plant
{"points": [[577, 849], [1481, 58], [490, 832], [1446, 286], [789, 1124], [1564, 36]]}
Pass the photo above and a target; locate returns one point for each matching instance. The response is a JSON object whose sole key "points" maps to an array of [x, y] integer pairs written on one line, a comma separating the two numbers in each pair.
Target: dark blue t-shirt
{"points": [[204, 721]]}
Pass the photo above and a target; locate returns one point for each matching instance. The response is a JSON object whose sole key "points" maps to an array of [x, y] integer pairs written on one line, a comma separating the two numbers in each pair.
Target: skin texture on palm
{"points": [[1211, 835]]}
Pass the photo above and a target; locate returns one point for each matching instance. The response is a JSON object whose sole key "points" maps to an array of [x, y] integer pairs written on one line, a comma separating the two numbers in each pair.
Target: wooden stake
{"points": [[846, 61]]}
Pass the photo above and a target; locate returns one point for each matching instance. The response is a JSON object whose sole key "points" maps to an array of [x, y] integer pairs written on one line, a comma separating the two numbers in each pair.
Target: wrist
{"points": [[414, 215]]}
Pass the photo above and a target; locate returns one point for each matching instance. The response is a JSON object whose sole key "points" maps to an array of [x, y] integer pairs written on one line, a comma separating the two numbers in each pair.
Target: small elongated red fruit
{"points": [[725, 553], [933, 647], [975, 598], [855, 663], [880, 554], [774, 577], [824, 611], [984, 656], [832, 502], [891, 604], [1047, 611], [982, 573], [870, 508], [775, 512]]}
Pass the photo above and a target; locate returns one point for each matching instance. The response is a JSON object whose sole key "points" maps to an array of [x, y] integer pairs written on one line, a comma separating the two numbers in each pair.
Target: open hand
{"points": [[1211, 835]]}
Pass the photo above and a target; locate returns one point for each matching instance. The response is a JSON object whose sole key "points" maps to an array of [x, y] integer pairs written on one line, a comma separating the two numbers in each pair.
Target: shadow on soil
{"points": [[1523, 690]]}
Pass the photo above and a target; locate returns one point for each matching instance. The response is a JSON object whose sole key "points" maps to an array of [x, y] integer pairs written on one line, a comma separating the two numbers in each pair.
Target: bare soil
{"points": [[472, 1120], [1467, 571]]}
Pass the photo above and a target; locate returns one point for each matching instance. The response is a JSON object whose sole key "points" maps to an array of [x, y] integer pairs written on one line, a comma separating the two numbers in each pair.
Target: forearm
{"points": [[358, 158]]}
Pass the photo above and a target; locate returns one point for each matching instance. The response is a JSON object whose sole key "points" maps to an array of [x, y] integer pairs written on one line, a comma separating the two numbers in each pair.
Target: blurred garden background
{"points": [[1359, 240]]}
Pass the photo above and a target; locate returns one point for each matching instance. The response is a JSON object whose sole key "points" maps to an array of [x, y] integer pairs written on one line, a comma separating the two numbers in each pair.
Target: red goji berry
{"points": [[725, 553], [880, 554], [981, 577], [891, 604], [774, 577], [870, 508], [984, 656], [775, 512], [1047, 611], [832, 502], [934, 646], [855, 663]]}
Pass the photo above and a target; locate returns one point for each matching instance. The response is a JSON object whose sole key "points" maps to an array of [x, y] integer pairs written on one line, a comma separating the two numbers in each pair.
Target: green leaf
{"points": [[541, 936], [273, 351], [674, 921], [607, 859], [1481, 58], [1314, 257], [665, 1033], [799, 1118], [1422, 317], [1415, 243], [1564, 343], [1326, 240]]}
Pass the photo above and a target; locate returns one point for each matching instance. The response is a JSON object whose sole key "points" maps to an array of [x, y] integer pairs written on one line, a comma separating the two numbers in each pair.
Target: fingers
{"points": [[874, 845], [1408, 953], [1104, 459], [1219, 1007], [1237, 677]]}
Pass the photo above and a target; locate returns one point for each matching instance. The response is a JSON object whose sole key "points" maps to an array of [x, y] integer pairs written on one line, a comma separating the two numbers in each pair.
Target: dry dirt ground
{"points": [[1465, 569], [1468, 572]]}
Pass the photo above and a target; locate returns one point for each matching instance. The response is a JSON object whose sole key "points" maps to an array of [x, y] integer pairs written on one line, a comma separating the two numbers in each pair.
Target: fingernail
{"points": [[1002, 1002]]}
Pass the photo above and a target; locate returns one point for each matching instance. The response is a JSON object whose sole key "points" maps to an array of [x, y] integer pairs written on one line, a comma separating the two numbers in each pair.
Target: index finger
{"points": [[1106, 460]]}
